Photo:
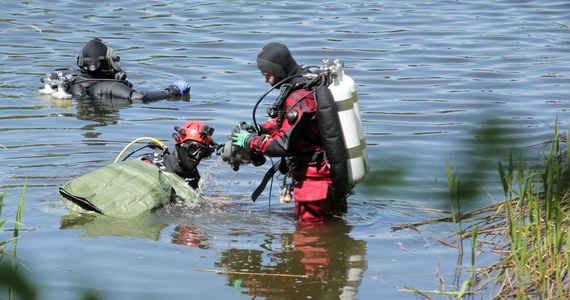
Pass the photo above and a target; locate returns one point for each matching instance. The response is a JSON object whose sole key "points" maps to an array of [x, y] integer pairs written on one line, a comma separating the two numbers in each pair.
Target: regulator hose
{"points": [[157, 142], [267, 93]]}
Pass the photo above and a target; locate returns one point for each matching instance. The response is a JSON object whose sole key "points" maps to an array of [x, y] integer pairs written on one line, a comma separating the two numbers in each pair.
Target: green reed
{"points": [[527, 234], [536, 263], [9, 275], [453, 183], [456, 218]]}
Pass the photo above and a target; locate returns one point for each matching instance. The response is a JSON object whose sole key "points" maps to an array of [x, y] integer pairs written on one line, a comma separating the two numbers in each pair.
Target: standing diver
{"points": [[315, 129], [292, 133], [100, 77]]}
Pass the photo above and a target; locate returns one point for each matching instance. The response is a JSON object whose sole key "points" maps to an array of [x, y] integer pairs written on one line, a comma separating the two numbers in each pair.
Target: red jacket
{"points": [[298, 135]]}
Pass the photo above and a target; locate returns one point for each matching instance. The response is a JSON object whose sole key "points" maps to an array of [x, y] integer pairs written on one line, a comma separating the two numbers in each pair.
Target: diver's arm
{"points": [[283, 142], [171, 92], [110, 89]]}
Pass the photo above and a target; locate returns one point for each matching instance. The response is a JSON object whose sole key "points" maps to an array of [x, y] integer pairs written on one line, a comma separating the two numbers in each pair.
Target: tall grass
{"points": [[527, 234], [533, 225], [537, 217], [9, 275]]}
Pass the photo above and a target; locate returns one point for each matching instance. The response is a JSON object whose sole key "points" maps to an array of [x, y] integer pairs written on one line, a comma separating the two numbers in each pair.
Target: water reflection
{"points": [[94, 225], [315, 262], [103, 112], [190, 236]]}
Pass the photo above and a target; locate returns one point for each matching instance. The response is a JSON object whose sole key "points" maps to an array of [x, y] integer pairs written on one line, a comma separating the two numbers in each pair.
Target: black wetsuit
{"points": [[177, 162], [81, 84]]}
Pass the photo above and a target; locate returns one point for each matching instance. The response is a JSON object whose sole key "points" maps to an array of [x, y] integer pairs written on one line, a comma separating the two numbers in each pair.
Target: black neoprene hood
{"points": [[98, 58], [276, 59]]}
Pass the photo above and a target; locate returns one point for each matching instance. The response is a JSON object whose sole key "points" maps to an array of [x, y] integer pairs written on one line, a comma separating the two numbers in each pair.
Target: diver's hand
{"points": [[219, 148], [182, 86], [250, 127], [243, 138], [242, 125]]}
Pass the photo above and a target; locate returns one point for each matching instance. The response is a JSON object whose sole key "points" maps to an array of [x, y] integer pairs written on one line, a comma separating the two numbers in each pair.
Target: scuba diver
{"points": [[315, 129], [292, 132], [192, 143], [100, 77], [133, 187]]}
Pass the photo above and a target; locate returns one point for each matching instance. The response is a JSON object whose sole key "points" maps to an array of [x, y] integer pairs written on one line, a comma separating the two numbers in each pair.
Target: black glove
{"points": [[249, 127]]}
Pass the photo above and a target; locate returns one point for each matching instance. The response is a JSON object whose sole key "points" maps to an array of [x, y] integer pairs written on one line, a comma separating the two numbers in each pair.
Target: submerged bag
{"points": [[126, 189]]}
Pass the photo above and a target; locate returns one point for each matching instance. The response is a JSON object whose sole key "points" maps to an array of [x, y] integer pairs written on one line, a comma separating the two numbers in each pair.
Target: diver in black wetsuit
{"points": [[193, 142], [100, 77]]}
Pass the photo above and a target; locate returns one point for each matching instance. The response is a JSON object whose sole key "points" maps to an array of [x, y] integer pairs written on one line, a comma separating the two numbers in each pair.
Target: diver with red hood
{"points": [[292, 133], [100, 77]]}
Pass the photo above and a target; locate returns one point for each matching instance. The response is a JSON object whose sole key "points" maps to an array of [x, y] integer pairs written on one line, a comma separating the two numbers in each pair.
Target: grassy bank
{"points": [[528, 233]]}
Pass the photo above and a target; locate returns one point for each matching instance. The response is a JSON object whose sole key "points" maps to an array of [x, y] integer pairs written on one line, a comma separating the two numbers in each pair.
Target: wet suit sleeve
{"points": [[168, 93], [269, 126], [110, 90], [281, 143]]}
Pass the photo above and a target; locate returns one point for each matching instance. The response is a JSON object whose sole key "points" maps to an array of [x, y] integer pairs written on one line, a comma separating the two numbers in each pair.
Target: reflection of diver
{"points": [[315, 262], [189, 236], [103, 112]]}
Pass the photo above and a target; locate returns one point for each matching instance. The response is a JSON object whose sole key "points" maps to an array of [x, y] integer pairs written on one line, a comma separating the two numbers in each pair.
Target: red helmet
{"points": [[193, 131]]}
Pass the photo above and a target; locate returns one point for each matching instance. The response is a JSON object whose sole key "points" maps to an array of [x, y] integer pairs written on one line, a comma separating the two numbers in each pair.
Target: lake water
{"points": [[430, 76]]}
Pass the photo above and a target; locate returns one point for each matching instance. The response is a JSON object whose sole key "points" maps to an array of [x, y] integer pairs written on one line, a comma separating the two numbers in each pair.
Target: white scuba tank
{"points": [[343, 89]]}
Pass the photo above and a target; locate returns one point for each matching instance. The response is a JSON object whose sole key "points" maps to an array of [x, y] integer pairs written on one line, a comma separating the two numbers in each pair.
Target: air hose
{"points": [[155, 141]]}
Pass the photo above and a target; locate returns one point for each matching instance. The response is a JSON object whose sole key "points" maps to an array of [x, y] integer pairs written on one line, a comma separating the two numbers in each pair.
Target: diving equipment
{"points": [[195, 138], [193, 130], [339, 122], [235, 155], [96, 57], [59, 81], [343, 89]]}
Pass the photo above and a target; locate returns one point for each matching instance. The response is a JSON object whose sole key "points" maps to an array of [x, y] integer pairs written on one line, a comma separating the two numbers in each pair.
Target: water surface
{"points": [[429, 75]]}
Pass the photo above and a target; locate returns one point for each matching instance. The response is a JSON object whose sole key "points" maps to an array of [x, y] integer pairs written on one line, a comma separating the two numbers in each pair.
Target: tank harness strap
{"points": [[298, 96], [318, 156], [315, 157], [292, 163], [268, 175]]}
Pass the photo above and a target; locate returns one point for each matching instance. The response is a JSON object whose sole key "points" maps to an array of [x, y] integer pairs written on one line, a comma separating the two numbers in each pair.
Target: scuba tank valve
{"points": [[48, 82]]}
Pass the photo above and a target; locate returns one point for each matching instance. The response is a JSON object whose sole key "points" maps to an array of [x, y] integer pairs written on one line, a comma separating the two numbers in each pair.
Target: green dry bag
{"points": [[126, 189]]}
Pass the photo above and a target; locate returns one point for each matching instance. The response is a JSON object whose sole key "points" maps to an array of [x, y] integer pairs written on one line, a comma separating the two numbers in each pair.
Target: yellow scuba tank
{"points": [[343, 89]]}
